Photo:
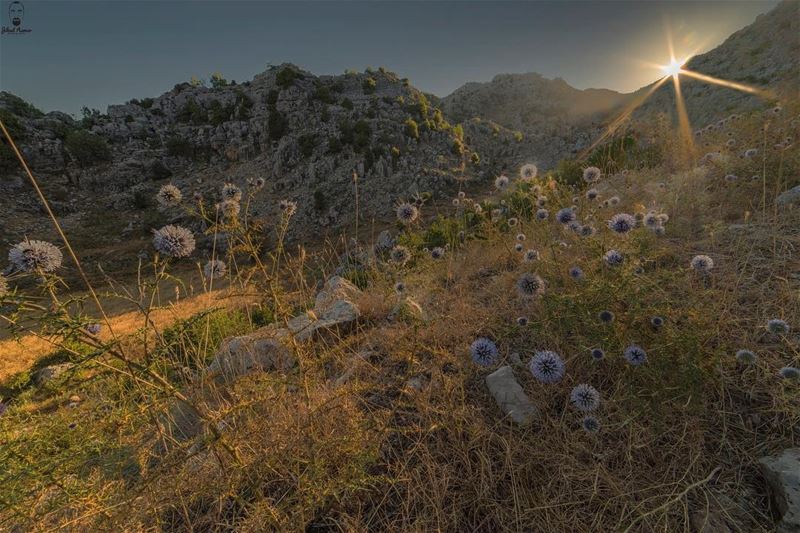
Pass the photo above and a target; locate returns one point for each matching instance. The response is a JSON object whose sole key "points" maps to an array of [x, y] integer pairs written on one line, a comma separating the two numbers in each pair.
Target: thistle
{"points": [[231, 192], [789, 372], [635, 355], [215, 269], [590, 424], [35, 256], [702, 264], [530, 285], [501, 183], [407, 213], [400, 255], [585, 398], [746, 357], [484, 352], [613, 258], [547, 367], [169, 196], [598, 354], [776, 326], [565, 215], [437, 252], [173, 241], [591, 174], [528, 172]]}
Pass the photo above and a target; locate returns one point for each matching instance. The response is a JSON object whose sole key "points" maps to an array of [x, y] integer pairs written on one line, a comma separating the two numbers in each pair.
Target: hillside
{"points": [[302, 134]]}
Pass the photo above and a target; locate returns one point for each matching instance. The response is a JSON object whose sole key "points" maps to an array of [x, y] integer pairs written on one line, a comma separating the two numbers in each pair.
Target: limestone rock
{"points": [[782, 473], [49, 373], [239, 356], [509, 395], [792, 196]]}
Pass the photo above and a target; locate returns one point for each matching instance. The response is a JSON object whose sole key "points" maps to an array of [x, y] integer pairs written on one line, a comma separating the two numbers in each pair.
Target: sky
{"points": [[95, 53]]}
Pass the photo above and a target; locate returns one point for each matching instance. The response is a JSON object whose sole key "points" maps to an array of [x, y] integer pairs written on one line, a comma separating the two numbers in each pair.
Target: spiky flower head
{"points": [[400, 255], [730, 178], [399, 287], [231, 192], [746, 357], [456, 202], [462, 195], [614, 200], [501, 183], [230, 209], [259, 183], [660, 230], [585, 398], [483, 351], [565, 215], [622, 223], [288, 207], [512, 222], [547, 367], [478, 209], [613, 258], [215, 269], [598, 354], [521, 237], [790, 372], [586, 231], [606, 316], [592, 194], [576, 272], [590, 424], [530, 285], [591, 174], [528, 172], [35, 256], [522, 321], [657, 321], [518, 247], [702, 263], [93, 329], [169, 196], [530, 256], [777, 326], [635, 355], [542, 214], [407, 213], [173, 241], [650, 220], [437, 252]]}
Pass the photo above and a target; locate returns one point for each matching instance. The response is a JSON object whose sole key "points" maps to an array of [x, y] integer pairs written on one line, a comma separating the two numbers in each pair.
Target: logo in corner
{"points": [[16, 15]]}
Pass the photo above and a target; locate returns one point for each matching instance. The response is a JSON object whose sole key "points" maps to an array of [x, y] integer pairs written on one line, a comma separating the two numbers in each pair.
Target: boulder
{"points": [[782, 473], [335, 289], [792, 196], [509, 395], [239, 356]]}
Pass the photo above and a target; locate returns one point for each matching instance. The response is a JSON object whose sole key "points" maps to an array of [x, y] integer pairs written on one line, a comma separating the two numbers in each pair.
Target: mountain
{"points": [[305, 135]]}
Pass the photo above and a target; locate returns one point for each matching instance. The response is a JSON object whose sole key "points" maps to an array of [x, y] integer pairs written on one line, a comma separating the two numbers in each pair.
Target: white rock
{"points": [[782, 473], [509, 395]]}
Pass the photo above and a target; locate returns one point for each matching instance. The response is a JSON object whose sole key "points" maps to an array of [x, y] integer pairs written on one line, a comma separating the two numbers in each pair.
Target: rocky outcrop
{"points": [[782, 473]]}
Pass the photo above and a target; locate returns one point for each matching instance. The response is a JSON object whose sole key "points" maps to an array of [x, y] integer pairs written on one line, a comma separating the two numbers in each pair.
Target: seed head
{"points": [[400, 255], [547, 367], [585, 398], [635, 355], [613, 258], [528, 172], [173, 241], [501, 183], [215, 269], [530, 285], [776, 326], [591, 174], [35, 256], [622, 223], [702, 263], [169, 196], [231, 192], [590, 424], [598, 354], [746, 357], [790, 372], [483, 351], [565, 215], [606, 316], [407, 213]]}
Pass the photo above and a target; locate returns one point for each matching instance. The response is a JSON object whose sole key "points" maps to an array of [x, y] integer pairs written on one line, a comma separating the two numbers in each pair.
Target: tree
{"points": [[217, 81]]}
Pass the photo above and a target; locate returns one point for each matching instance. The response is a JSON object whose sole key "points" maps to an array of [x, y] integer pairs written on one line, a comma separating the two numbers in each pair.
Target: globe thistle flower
{"points": [[622, 223], [230, 209], [437, 252], [547, 367], [530, 256], [541, 201], [483, 351], [702, 264], [635, 355], [605, 203], [776, 110], [478, 209], [576, 272], [462, 195], [496, 214], [575, 226], [518, 247], [730, 143], [776, 326], [590, 424], [659, 230], [407, 213], [215, 269], [456, 202], [565, 215], [173, 241], [592, 194], [606, 316], [501, 183], [288, 207], [586, 231], [614, 200], [598, 354], [542, 214], [613, 258], [530, 285], [400, 255], [528, 172], [585, 398], [656, 322], [462, 236], [522, 321], [591, 174], [745, 357], [259, 183], [169, 196], [790, 372], [521, 237], [512, 222], [751, 153], [93, 329], [650, 220], [35, 256], [231, 192], [399, 287]]}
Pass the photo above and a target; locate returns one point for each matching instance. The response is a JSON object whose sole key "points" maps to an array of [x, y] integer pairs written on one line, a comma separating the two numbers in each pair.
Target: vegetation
{"points": [[87, 148]]}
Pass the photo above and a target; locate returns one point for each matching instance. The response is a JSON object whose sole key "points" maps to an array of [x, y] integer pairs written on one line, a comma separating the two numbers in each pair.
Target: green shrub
{"points": [[286, 76], [277, 125], [323, 94], [179, 147], [217, 81], [307, 144], [347, 104], [146, 103], [569, 172], [412, 129], [192, 112], [88, 149], [17, 106], [369, 85]]}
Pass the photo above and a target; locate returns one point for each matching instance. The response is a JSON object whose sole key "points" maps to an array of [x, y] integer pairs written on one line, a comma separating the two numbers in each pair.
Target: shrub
{"points": [[323, 94], [307, 144], [17, 106], [88, 149], [286, 76], [179, 147], [192, 112], [217, 81], [369, 85], [276, 124], [146, 103], [347, 104], [412, 129], [320, 202], [159, 171]]}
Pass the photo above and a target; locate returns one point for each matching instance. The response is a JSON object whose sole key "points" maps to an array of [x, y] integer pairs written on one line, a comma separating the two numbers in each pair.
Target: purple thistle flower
{"points": [[585, 398], [530, 285], [622, 223], [613, 258], [173, 241], [483, 351], [565, 215], [547, 367], [35, 256], [635, 355]]}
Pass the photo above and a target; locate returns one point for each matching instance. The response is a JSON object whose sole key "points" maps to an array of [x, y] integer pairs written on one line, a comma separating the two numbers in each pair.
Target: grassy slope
{"points": [[372, 453]]}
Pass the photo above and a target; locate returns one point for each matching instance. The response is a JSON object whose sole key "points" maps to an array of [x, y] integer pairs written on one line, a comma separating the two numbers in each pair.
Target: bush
{"points": [[323, 94], [8, 159], [347, 104], [192, 112], [179, 147], [307, 144], [17, 106], [412, 129], [286, 76], [277, 125], [217, 81], [369, 85], [146, 103], [88, 149]]}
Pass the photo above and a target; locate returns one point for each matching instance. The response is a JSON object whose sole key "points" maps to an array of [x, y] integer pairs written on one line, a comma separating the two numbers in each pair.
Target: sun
{"points": [[674, 67]]}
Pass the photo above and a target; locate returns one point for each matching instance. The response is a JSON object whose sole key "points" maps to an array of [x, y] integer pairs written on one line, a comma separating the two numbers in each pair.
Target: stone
{"points": [[792, 196], [239, 356], [49, 373], [782, 473], [336, 288], [509, 395]]}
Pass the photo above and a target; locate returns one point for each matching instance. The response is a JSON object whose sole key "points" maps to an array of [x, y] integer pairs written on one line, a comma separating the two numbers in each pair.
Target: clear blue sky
{"points": [[99, 53]]}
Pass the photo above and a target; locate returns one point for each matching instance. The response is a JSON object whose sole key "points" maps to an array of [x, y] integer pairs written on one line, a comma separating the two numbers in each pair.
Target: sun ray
{"points": [[685, 128], [725, 83]]}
